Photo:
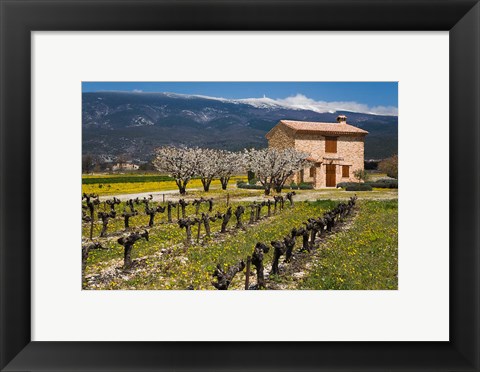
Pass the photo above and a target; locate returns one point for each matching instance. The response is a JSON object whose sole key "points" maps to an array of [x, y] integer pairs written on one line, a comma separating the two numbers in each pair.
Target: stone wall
{"points": [[313, 144], [352, 150], [281, 137]]}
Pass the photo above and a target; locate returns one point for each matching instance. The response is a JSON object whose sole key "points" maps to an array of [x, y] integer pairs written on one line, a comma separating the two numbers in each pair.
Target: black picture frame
{"points": [[18, 18]]}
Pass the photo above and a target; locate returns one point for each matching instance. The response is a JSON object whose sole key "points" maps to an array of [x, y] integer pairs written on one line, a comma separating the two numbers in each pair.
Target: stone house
{"points": [[125, 166], [336, 150]]}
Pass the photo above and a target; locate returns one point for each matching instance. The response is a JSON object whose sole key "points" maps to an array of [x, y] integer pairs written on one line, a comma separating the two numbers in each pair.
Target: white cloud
{"points": [[301, 101]]}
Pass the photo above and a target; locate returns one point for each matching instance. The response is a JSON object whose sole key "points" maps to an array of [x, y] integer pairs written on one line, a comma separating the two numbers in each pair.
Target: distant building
{"points": [[336, 149], [125, 167]]}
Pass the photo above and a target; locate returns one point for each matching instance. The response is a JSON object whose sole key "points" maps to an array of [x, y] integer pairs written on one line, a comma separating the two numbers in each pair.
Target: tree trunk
{"points": [[225, 278], [290, 196], [187, 223], [152, 217], [85, 252], [188, 229], [259, 211], [225, 218], [127, 260], [330, 223], [91, 229], [84, 259], [206, 223], [184, 213], [279, 250], [104, 228], [224, 182], [252, 214], [238, 214], [127, 243], [199, 230], [305, 245], [290, 244], [92, 209], [206, 184], [182, 185], [239, 224], [257, 261], [224, 226], [321, 227], [313, 235]]}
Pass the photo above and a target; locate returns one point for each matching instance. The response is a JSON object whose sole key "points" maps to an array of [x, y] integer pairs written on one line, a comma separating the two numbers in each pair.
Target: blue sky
{"points": [[375, 97]]}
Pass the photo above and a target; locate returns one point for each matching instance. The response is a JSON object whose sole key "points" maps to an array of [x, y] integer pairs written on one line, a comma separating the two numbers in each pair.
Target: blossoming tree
{"points": [[272, 167], [180, 163], [228, 164]]}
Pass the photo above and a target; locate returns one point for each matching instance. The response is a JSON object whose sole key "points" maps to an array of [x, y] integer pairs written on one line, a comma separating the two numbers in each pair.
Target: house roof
{"points": [[319, 127]]}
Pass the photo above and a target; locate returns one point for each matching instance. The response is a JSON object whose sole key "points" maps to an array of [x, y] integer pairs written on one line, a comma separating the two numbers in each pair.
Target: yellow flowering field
{"points": [[362, 257], [102, 189]]}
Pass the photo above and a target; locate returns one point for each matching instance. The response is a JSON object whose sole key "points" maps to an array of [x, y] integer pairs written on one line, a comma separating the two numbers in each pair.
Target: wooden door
{"points": [[331, 179]]}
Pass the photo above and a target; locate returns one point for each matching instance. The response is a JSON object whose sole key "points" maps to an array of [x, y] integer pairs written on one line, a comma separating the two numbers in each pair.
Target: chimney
{"points": [[341, 119]]}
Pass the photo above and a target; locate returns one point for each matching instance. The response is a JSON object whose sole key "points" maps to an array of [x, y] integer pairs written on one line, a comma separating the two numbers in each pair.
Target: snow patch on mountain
{"points": [[140, 121], [300, 102]]}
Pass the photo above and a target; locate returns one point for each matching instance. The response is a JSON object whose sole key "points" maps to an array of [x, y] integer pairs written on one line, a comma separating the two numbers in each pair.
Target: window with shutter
{"points": [[345, 171], [331, 144]]}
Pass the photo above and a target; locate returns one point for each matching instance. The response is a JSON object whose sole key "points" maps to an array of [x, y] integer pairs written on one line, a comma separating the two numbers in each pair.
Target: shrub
{"points": [[359, 187], [385, 183], [305, 186], [389, 166], [243, 185], [346, 184], [293, 186], [388, 181], [360, 174], [252, 181]]}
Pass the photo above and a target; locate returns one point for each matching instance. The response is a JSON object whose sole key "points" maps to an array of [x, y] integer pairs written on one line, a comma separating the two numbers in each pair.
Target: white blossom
{"points": [[207, 166], [178, 162], [272, 167]]}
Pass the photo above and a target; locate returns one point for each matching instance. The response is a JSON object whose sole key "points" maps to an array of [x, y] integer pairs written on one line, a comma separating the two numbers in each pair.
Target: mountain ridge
{"points": [[135, 123]]}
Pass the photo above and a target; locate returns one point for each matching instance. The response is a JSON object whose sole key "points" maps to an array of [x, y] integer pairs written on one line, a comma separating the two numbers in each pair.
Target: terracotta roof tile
{"points": [[315, 126]]}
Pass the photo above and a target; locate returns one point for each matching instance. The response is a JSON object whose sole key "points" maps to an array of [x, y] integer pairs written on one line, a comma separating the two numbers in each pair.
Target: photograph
{"points": [[216, 146], [239, 185]]}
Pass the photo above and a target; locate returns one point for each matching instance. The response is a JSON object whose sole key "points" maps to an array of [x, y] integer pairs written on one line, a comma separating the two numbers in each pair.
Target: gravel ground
{"points": [[157, 196], [333, 194]]}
